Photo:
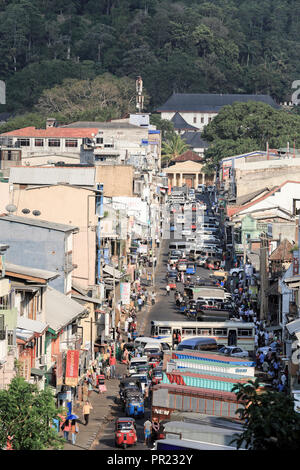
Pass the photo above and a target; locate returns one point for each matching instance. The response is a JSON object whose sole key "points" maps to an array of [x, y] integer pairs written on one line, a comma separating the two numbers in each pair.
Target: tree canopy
{"points": [[187, 46], [172, 147], [245, 127], [26, 415], [271, 423]]}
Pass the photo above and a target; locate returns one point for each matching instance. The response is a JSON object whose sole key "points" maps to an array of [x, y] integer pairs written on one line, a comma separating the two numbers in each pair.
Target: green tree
{"points": [[271, 423], [244, 127], [27, 414], [172, 148]]}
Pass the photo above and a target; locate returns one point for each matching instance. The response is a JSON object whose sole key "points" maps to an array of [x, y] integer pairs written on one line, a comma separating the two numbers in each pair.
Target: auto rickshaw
{"points": [[212, 263], [134, 406], [183, 306], [157, 376], [191, 310], [125, 432]]}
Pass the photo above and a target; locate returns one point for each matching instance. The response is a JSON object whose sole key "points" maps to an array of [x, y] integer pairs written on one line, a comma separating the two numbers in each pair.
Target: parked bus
{"points": [[231, 333]]}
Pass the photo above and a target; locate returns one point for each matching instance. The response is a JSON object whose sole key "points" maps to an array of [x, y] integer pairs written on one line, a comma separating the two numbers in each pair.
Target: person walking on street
{"points": [[74, 430], [87, 407], [66, 428], [112, 363], [147, 431], [168, 289]]}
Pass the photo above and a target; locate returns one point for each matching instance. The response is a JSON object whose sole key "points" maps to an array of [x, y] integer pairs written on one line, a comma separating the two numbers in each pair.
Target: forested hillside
{"points": [[220, 46]]}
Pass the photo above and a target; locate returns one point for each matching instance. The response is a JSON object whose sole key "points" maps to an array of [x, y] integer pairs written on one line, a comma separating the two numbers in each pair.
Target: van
{"points": [[198, 344], [152, 348], [135, 362], [143, 340]]}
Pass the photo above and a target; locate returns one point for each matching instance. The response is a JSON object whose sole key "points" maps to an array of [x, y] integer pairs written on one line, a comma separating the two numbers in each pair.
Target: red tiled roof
{"points": [[188, 155], [67, 132]]}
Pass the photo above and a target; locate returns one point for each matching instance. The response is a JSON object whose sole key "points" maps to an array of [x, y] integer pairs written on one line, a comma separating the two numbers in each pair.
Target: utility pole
{"points": [[264, 281]]}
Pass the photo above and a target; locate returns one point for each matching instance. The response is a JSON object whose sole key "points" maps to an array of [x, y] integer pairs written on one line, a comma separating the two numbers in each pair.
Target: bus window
{"points": [[204, 331], [244, 332], [188, 331], [163, 330], [220, 332]]}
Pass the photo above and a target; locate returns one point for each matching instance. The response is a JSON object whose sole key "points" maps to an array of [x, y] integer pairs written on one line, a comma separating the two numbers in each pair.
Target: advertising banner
{"points": [[59, 369], [72, 368], [125, 293]]}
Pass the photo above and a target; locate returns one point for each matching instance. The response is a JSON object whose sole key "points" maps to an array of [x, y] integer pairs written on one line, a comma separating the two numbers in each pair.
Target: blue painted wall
{"points": [[35, 247]]}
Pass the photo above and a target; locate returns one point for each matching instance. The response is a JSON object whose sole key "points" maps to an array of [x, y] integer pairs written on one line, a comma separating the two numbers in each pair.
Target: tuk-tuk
{"points": [[128, 384], [157, 376], [190, 268], [135, 406], [212, 263], [191, 310], [125, 432], [155, 359], [172, 277], [183, 306]]}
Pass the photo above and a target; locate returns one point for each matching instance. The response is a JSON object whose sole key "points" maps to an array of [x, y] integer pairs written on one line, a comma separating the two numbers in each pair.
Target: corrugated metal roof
{"points": [[60, 309], [209, 102], [23, 270], [38, 223], [82, 176], [31, 325]]}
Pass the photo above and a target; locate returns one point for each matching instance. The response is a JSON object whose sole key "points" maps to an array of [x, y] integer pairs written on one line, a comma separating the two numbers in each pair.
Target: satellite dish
{"points": [[11, 208], [26, 211], [36, 213]]}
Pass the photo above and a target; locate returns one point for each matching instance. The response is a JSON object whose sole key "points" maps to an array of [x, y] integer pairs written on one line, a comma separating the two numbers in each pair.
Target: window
{"points": [[194, 120], [164, 331], [202, 120], [108, 145], [11, 338], [243, 332], [23, 142], [99, 140], [220, 331], [54, 142], [189, 331], [39, 142], [209, 119], [204, 331], [71, 143]]}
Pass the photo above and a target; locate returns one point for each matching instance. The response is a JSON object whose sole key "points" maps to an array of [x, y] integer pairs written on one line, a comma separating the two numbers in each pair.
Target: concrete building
{"points": [[40, 244], [186, 169], [198, 109]]}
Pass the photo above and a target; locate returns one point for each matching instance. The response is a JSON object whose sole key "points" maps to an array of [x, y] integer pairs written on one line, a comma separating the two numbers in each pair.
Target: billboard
{"points": [[72, 366], [125, 293]]}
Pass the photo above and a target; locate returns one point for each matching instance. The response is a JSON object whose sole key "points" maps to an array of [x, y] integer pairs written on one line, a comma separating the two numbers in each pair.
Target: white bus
{"points": [[228, 333]]}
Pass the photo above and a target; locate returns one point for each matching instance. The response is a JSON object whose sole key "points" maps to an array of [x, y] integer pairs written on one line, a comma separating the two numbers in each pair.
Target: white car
{"points": [[233, 351], [236, 271]]}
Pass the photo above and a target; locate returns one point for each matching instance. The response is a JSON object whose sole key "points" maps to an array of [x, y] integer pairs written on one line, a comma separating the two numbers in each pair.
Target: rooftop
{"points": [[57, 132], [180, 123], [25, 272], [38, 223], [188, 102], [194, 139], [189, 155]]}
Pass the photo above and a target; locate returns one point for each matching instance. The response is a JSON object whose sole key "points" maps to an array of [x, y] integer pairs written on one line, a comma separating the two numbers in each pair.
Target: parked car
{"points": [[234, 351]]}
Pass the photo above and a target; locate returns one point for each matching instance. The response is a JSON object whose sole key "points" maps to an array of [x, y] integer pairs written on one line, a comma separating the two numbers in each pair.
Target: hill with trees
{"points": [[220, 46]]}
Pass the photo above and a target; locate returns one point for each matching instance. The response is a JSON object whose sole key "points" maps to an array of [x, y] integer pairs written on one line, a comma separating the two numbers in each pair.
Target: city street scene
{"points": [[149, 228]]}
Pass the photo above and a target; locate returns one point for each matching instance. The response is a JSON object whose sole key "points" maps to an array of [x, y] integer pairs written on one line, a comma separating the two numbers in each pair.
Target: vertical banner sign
{"points": [[295, 266], [59, 369], [72, 368], [125, 293]]}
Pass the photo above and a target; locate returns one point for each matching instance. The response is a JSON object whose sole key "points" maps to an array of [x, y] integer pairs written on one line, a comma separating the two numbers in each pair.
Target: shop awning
{"points": [[38, 372], [113, 272], [293, 282], [293, 326]]}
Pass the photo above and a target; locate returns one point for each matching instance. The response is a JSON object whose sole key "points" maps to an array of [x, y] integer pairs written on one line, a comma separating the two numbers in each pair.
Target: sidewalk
{"points": [[104, 410]]}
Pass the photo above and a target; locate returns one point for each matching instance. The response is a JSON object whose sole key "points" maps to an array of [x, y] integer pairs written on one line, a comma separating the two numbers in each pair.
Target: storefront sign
{"points": [[72, 368], [125, 293]]}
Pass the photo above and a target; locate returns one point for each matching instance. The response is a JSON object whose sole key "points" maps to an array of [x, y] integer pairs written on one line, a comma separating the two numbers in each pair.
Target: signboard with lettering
{"points": [[59, 369], [125, 293], [72, 368]]}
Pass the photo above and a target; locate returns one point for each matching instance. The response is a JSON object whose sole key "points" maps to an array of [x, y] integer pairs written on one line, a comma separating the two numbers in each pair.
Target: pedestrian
{"points": [[147, 431], [168, 289], [107, 372], [66, 428], [87, 407], [154, 429], [140, 303], [112, 363], [74, 430]]}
